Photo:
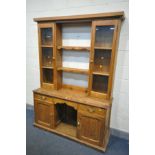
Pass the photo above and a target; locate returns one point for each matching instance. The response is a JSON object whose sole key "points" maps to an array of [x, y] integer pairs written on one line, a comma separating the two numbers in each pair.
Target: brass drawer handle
{"points": [[91, 110]]}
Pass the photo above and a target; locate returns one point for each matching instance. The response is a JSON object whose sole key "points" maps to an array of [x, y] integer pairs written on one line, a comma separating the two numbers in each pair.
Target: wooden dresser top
{"points": [[117, 15], [75, 96]]}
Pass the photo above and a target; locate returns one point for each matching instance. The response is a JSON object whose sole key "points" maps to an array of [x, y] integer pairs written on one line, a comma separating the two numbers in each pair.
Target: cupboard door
{"points": [[44, 114], [103, 49], [90, 129], [46, 54]]}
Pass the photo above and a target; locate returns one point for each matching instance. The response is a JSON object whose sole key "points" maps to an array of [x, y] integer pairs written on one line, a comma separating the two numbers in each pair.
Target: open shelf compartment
{"points": [[76, 35], [66, 119]]}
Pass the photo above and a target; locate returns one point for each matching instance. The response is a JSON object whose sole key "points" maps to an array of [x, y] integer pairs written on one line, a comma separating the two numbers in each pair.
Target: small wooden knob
{"points": [[43, 97]]}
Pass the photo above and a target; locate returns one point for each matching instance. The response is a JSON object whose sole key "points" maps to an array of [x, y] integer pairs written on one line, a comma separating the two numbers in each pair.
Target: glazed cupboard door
{"points": [[46, 54], [90, 129], [44, 113], [103, 48]]}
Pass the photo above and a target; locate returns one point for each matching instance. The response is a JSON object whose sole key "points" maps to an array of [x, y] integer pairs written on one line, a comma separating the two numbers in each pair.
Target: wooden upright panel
{"points": [[58, 56]]}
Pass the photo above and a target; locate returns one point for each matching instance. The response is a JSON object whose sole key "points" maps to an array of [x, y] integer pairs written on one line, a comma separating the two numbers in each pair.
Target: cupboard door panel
{"points": [[104, 36], [46, 54], [46, 36], [103, 49], [44, 113], [90, 129], [47, 57]]}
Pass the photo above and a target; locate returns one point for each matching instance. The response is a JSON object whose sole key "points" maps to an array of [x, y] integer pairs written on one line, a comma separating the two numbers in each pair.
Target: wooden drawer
{"points": [[92, 110], [42, 98]]}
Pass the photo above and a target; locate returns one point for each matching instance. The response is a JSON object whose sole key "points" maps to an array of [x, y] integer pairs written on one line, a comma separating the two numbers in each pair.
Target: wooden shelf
{"points": [[101, 73], [73, 70], [66, 129], [48, 83], [47, 67], [47, 46], [77, 48], [96, 93], [103, 48]]}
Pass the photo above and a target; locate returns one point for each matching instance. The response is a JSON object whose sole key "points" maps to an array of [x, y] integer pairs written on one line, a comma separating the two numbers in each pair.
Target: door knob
{"points": [[78, 123]]}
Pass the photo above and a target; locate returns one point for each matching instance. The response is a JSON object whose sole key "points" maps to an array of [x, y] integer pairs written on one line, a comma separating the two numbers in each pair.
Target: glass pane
{"points": [[46, 36], [100, 83], [102, 61], [47, 54], [104, 36], [47, 75]]}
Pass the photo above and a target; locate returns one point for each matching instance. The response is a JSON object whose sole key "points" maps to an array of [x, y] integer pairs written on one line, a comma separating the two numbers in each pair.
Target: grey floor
{"points": [[40, 142]]}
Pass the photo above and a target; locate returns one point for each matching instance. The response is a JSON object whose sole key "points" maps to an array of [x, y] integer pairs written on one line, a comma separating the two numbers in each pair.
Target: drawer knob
{"points": [[100, 110], [43, 97], [91, 61], [91, 110], [78, 123]]}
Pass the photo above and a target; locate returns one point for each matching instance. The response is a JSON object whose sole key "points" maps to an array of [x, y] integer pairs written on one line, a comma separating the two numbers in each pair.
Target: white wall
{"points": [[45, 8]]}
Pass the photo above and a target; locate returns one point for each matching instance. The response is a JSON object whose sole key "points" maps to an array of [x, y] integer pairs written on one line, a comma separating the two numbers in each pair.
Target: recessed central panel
{"points": [[76, 36]]}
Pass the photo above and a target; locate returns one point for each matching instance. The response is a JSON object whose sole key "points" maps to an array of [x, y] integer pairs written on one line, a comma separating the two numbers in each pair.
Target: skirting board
{"points": [[114, 132]]}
